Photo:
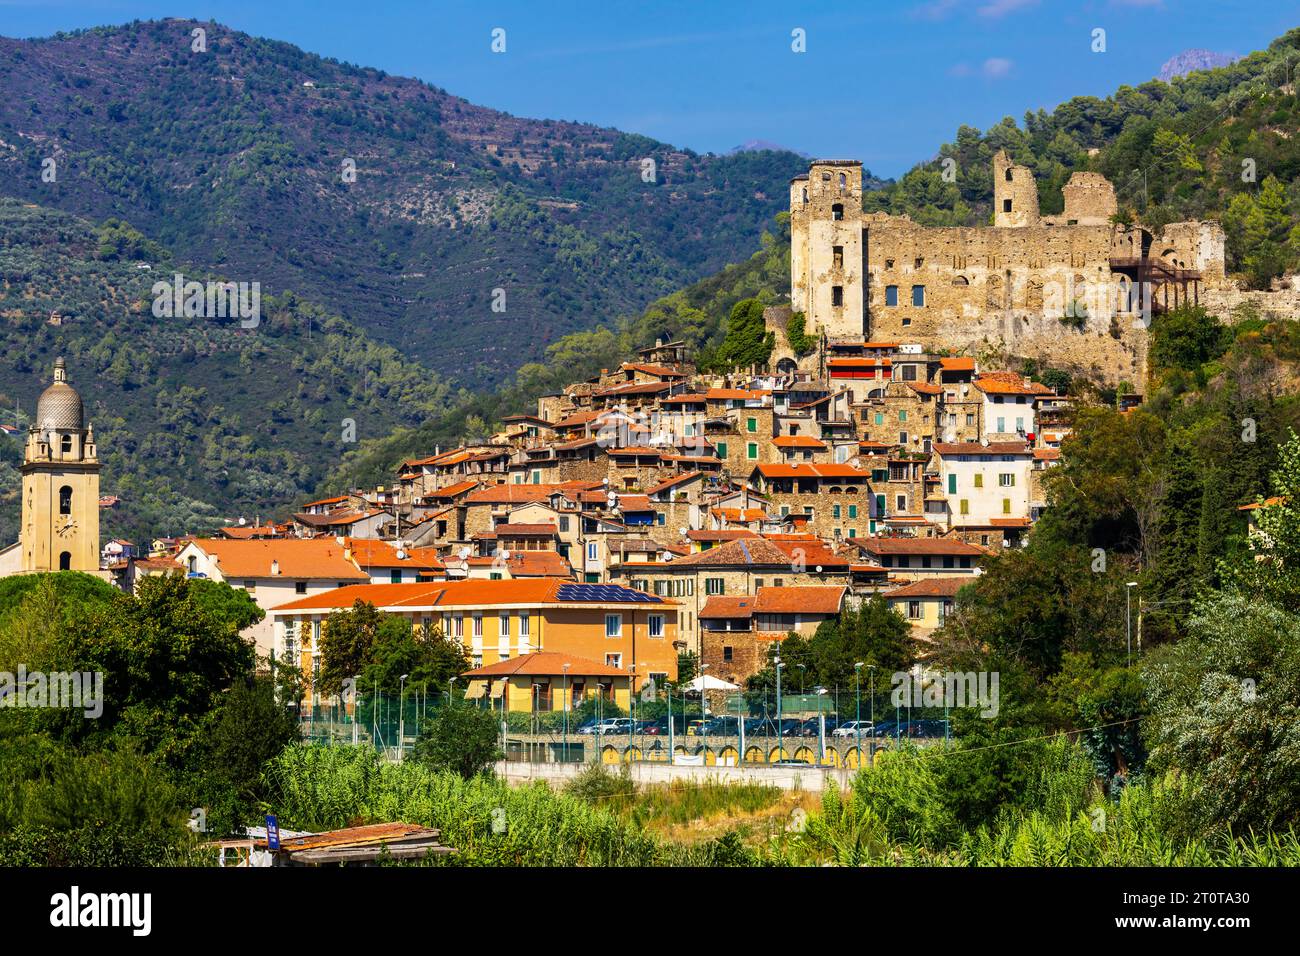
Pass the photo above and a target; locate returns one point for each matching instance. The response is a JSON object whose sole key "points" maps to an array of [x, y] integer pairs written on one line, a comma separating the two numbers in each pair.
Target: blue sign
{"points": [[272, 832]]}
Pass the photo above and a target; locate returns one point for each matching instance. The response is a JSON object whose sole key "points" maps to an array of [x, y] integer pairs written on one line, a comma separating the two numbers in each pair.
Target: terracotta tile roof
{"points": [[526, 530], [512, 494], [158, 564], [961, 363], [810, 471], [464, 594], [799, 600], [976, 448], [939, 546], [649, 369], [931, 587], [545, 664], [744, 515], [715, 394], [529, 564], [337, 518], [726, 606], [730, 534], [310, 558], [453, 490], [799, 441], [634, 503], [925, 388], [381, 554], [1008, 383], [684, 399], [1047, 454], [1266, 503], [1009, 522], [326, 501]]}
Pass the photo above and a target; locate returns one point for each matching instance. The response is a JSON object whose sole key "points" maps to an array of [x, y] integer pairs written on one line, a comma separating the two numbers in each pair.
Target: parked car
{"points": [[653, 728], [760, 727], [586, 727], [851, 728], [694, 728]]}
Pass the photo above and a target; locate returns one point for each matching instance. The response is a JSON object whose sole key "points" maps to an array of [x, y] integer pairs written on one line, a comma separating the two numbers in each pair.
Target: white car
{"points": [[851, 728]]}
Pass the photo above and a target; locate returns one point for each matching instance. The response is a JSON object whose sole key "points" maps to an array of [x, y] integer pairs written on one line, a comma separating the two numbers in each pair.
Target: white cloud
{"points": [[996, 66], [1000, 8]]}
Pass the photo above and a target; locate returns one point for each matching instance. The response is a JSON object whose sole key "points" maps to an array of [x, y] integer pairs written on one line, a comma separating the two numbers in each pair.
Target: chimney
{"points": [[275, 568]]}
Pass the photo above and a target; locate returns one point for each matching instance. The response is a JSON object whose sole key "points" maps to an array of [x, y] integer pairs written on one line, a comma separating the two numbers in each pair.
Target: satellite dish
{"points": [[683, 530], [242, 521], [604, 481], [401, 554], [505, 555], [340, 540], [464, 554], [819, 569]]}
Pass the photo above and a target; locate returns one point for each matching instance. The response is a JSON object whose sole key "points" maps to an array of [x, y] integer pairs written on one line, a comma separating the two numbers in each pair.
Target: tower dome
{"points": [[59, 406]]}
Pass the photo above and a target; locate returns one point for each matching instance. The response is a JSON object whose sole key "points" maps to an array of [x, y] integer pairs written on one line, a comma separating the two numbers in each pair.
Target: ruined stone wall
{"points": [[1089, 200]]}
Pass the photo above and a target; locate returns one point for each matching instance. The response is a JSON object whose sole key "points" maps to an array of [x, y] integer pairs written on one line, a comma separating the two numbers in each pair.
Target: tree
{"points": [[747, 341], [347, 642], [1272, 571], [800, 342], [461, 740], [1225, 708]]}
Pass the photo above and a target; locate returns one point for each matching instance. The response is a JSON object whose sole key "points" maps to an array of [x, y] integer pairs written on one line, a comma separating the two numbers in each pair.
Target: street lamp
{"points": [[780, 735], [704, 715], [803, 672], [566, 711], [401, 717], [857, 689], [1128, 618]]}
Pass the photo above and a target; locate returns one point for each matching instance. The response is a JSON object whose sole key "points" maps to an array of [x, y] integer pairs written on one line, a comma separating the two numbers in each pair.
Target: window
{"points": [[914, 610], [300, 587], [952, 484], [656, 625], [901, 501], [613, 625], [250, 587], [65, 500], [853, 511], [564, 523], [613, 660], [902, 414], [503, 627], [592, 550], [918, 295], [1006, 481], [1002, 424], [727, 654], [477, 619], [714, 585], [880, 418], [751, 450], [837, 257], [395, 576], [65, 561], [751, 425], [891, 295], [902, 438], [837, 295], [458, 625], [722, 449], [964, 506], [970, 418], [1020, 424], [1006, 506], [837, 211], [65, 445], [979, 480], [1006, 203], [909, 375], [835, 512]]}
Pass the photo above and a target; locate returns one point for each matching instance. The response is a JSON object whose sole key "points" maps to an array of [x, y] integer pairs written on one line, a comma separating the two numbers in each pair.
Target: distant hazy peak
{"points": [[1180, 64]]}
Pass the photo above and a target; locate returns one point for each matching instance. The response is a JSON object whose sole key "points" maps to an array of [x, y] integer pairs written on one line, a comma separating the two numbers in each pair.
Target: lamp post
{"points": [[401, 717], [631, 705], [566, 711], [857, 692], [1128, 619], [355, 709], [704, 716], [803, 672], [780, 735]]}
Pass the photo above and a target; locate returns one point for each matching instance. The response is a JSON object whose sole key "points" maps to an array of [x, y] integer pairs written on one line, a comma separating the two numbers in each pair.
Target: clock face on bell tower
{"points": [[60, 522]]}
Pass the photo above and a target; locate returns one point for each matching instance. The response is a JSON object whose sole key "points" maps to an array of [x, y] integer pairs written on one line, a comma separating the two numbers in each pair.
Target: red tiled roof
{"points": [[931, 587], [545, 664]]}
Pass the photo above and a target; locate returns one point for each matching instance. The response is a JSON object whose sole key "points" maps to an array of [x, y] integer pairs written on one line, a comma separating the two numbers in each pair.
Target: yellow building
{"points": [[629, 631], [60, 508], [547, 681]]}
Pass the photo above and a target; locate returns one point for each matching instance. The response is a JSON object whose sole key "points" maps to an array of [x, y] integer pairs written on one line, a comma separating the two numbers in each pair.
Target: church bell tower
{"points": [[60, 521]]}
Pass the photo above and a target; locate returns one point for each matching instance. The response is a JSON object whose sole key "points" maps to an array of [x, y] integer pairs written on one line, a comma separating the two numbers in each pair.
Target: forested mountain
{"points": [[237, 156], [197, 420]]}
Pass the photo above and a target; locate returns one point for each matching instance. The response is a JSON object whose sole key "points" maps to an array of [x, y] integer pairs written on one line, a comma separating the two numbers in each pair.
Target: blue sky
{"points": [[884, 81]]}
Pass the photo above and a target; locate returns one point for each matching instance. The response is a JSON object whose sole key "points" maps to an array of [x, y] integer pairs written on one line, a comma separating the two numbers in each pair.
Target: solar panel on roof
{"points": [[602, 593]]}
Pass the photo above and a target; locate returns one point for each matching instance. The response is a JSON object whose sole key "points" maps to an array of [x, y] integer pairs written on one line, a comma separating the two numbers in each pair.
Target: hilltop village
{"points": [[656, 509]]}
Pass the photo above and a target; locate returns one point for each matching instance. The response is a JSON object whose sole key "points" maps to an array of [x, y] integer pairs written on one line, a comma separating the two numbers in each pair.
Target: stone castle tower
{"points": [[60, 519], [1015, 194]]}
